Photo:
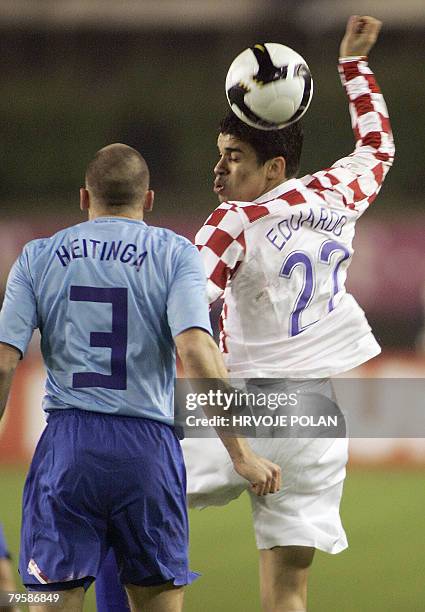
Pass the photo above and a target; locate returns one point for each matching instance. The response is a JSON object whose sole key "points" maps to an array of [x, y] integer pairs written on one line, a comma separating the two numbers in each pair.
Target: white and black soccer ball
{"points": [[269, 86]]}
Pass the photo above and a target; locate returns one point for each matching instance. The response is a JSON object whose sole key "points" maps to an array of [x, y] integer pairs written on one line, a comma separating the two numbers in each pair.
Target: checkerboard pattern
{"points": [[352, 182]]}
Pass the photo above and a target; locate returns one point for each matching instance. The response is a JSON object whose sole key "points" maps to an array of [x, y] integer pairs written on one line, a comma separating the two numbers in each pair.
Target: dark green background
{"points": [[65, 94]]}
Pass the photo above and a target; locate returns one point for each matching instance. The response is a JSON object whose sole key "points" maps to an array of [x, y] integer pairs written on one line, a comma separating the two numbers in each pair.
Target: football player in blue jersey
{"points": [[112, 298]]}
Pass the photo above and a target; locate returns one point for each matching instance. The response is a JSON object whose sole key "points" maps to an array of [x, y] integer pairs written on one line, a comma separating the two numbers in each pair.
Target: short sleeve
{"points": [[18, 316], [187, 304]]}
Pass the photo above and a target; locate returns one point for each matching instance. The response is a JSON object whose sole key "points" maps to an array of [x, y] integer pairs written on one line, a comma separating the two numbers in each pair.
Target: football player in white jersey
{"points": [[277, 250]]}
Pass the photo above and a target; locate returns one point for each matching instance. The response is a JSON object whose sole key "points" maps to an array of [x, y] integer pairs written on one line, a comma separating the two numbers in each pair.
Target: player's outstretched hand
{"points": [[264, 476], [360, 36]]}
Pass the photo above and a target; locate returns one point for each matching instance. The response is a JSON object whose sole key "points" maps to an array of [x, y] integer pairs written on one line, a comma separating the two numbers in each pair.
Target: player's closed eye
{"points": [[228, 157]]}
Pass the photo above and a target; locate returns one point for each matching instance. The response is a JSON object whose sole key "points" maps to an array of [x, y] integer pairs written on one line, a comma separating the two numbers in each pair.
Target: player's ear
{"points": [[276, 168], [148, 203], [84, 199]]}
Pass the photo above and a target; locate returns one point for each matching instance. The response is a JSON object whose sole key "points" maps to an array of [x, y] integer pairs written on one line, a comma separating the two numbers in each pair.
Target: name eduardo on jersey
{"points": [[325, 219]]}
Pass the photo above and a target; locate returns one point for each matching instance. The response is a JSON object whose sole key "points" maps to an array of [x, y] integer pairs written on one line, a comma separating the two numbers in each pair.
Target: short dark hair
{"points": [[286, 142], [117, 175]]}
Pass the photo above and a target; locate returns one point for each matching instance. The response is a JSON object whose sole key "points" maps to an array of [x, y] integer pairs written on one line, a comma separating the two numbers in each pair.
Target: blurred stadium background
{"points": [[79, 74]]}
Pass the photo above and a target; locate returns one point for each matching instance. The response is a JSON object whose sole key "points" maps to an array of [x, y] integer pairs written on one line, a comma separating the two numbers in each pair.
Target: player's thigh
{"points": [[280, 559], [7, 582], [305, 512], [71, 600], [211, 478], [160, 598], [64, 518], [148, 526]]}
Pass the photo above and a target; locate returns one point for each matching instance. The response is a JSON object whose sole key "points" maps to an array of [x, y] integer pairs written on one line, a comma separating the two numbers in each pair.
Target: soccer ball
{"points": [[269, 86]]}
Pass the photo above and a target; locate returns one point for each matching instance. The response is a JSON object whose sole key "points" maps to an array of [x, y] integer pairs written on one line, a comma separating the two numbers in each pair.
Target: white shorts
{"points": [[305, 512]]}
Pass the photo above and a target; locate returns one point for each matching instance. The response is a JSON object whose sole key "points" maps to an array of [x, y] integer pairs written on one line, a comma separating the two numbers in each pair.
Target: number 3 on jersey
{"points": [[116, 339], [305, 296]]}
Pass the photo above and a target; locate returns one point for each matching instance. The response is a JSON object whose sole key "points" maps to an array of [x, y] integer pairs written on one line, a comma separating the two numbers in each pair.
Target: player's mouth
{"points": [[218, 187]]}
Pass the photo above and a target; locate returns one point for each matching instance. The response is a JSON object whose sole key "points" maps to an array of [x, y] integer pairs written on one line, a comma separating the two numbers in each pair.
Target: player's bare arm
{"points": [[9, 359], [202, 359], [360, 36]]}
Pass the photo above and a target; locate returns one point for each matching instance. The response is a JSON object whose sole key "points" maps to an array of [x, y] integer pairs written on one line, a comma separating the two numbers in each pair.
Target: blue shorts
{"points": [[4, 552], [99, 481]]}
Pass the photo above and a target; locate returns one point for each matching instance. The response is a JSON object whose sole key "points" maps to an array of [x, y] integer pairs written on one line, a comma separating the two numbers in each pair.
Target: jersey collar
{"points": [[115, 219], [276, 192]]}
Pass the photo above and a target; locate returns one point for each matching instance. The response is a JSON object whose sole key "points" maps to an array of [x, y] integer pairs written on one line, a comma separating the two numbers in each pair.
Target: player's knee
{"points": [[167, 597], [297, 557]]}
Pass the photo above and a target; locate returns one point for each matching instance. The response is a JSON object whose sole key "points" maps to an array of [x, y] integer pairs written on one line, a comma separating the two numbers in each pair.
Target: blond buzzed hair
{"points": [[117, 176]]}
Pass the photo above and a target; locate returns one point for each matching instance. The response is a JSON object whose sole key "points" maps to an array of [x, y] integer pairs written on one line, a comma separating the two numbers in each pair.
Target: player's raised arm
{"points": [[201, 359], [354, 181], [360, 36]]}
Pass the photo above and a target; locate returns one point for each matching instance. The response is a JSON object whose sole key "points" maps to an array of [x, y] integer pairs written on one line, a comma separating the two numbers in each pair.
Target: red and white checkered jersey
{"points": [[281, 261]]}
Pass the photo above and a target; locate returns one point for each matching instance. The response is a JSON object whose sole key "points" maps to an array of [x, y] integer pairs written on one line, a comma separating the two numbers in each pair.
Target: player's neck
{"points": [[273, 184], [124, 214]]}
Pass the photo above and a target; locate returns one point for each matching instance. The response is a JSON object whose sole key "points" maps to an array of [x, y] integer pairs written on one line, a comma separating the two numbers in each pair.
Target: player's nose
{"points": [[220, 167]]}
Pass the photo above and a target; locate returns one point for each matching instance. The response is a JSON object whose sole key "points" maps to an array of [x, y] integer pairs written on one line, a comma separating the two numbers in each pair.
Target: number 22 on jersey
{"points": [[306, 295]]}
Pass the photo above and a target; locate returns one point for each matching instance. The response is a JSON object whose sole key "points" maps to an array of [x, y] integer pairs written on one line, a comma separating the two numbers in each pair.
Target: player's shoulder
{"points": [[34, 247], [169, 250], [289, 193], [167, 237], [250, 212], [232, 213], [39, 245], [234, 217]]}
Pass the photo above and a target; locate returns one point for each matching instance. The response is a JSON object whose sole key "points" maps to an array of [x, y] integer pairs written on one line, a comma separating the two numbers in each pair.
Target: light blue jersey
{"points": [[108, 296]]}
